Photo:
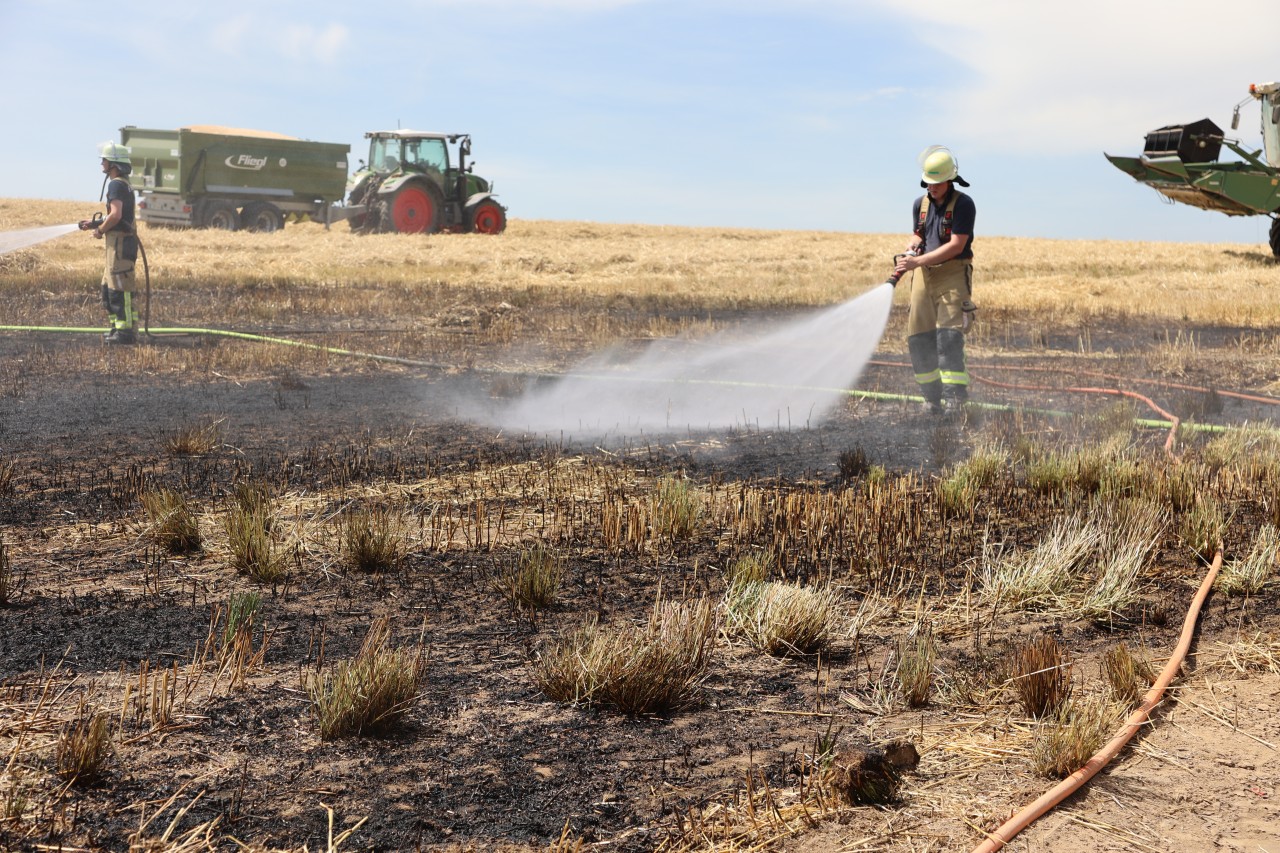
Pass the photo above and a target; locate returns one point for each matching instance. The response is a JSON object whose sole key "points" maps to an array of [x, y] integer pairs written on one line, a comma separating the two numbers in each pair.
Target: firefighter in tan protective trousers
{"points": [[120, 235], [941, 297]]}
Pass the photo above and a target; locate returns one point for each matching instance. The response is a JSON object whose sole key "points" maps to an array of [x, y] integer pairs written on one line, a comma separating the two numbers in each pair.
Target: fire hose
{"points": [[998, 838]]}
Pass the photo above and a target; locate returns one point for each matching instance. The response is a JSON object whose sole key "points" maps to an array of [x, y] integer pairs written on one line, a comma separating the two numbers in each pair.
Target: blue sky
{"points": [[742, 113]]}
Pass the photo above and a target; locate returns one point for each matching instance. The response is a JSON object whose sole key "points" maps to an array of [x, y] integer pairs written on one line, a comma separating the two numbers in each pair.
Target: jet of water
{"points": [[791, 375], [12, 241]]}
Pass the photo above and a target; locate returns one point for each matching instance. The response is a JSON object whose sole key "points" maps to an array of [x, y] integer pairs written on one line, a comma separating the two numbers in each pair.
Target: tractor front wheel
{"points": [[1275, 236], [415, 209], [487, 217]]}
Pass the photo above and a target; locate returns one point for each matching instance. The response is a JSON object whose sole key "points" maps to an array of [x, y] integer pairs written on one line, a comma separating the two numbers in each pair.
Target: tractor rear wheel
{"points": [[487, 217], [220, 215], [415, 209], [262, 216], [1275, 236]]}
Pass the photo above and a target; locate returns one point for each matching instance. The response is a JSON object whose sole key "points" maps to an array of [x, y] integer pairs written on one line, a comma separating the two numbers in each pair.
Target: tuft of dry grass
{"points": [[11, 582], [677, 509], [1136, 526], [853, 464], [371, 540], [967, 481], [917, 656], [84, 748], [1049, 473], [249, 524], [196, 439], [1248, 576], [172, 519], [1041, 676], [1071, 735], [634, 669], [1127, 678], [1043, 576], [370, 693], [1203, 526], [752, 567], [242, 615], [782, 618], [533, 582]]}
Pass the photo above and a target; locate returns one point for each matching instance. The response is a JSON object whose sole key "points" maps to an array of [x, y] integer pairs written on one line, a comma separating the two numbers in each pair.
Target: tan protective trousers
{"points": [[119, 272], [938, 297], [935, 330]]}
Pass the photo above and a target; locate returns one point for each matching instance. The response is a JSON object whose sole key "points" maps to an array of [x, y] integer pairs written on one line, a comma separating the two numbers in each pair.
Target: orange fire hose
{"points": [[1020, 821], [1117, 392], [1137, 380]]}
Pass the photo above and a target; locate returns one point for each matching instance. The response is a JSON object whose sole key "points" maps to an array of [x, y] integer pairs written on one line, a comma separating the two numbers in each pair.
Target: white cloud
{"points": [[230, 36], [303, 42], [1063, 78]]}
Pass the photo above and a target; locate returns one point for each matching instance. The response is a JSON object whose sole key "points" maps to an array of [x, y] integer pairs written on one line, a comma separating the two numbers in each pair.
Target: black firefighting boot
{"points": [[951, 369], [123, 320]]}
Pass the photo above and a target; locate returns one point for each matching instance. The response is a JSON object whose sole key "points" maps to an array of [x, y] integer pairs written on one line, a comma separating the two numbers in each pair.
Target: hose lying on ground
{"points": [[1000, 837]]}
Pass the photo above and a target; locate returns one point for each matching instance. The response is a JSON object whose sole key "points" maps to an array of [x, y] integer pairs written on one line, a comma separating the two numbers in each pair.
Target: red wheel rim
{"points": [[412, 210], [488, 220]]}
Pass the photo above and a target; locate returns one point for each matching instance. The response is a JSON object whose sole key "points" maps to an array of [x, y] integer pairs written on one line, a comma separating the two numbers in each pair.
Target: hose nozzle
{"points": [[895, 276]]}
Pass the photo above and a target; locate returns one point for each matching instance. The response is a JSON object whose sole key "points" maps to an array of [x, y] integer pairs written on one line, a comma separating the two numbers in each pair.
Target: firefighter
{"points": [[941, 305], [118, 232]]}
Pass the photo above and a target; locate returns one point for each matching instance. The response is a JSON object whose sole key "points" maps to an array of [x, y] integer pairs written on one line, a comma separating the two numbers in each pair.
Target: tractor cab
{"points": [[421, 154]]}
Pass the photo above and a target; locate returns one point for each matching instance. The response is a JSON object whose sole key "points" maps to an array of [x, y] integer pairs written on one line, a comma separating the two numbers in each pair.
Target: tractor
{"points": [[411, 185], [1181, 163]]}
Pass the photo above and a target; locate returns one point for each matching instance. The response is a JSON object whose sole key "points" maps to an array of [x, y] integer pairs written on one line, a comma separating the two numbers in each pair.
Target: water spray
{"points": [[792, 374], [12, 241]]}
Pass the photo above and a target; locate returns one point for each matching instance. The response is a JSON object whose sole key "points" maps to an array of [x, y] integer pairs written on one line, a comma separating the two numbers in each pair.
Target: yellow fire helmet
{"points": [[114, 152], [939, 165]]}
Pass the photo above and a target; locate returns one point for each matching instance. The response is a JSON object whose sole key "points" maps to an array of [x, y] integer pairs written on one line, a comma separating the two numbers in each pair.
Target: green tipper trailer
{"points": [[219, 177]]}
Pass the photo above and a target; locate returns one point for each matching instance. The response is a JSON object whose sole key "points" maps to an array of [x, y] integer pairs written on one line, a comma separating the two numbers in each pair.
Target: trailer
{"points": [[205, 176]]}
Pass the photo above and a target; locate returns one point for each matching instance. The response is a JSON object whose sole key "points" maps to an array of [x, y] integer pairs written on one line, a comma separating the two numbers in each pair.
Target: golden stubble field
{"points": [[282, 597]]}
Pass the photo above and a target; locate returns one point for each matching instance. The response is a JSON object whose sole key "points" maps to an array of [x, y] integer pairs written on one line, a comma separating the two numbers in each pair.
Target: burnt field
{"points": [[655, 642]]}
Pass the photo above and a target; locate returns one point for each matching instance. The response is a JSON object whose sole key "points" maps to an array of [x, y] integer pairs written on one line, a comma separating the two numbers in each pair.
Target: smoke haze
{"points": [[783, 376]]}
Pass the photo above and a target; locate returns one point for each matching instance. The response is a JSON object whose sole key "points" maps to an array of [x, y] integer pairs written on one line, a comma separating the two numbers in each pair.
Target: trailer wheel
{"points": [[415, 209], [1275, 237], [220, 215], [261, 216], [487, 217]]}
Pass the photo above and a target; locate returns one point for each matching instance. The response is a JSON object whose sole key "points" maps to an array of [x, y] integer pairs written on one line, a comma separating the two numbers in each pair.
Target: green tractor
{"points": [[1181, 163], [412, 186]]}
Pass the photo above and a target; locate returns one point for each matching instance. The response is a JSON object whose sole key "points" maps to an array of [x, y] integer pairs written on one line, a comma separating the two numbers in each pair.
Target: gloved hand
{"points": [[897, 274], [970, 310]]}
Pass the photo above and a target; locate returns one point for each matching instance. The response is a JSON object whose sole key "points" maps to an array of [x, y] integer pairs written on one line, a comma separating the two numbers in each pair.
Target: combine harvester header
{"points": [[1181, 162]]}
